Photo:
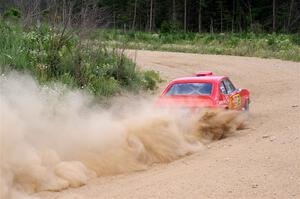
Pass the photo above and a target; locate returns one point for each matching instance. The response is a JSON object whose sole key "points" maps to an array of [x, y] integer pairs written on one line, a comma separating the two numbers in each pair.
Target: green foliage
{"points": [[167, 27], [52, 54], [282, 46], [12, 13], [295, 38], [150, 79], [12, 47]]}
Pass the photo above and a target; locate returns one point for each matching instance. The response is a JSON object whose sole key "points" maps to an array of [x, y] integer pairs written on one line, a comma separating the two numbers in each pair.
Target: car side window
{"points": [[222, 88], [229, 86]]}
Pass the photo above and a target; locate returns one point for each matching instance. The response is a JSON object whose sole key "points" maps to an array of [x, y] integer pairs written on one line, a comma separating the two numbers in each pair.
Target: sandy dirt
{"points": [[262, 161]]}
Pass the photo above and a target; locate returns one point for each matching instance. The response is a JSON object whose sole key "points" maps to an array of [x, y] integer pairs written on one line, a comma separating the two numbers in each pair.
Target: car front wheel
{"points": [[246, 106]]}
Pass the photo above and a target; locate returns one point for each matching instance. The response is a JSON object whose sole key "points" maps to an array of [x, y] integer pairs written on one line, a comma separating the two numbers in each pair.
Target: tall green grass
{"points": [[282, 46], [53, 54]]}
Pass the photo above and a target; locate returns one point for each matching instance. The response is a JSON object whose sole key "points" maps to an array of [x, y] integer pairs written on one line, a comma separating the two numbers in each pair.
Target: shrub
{"points": [[53, 54], [167, 27], [12, 13], [150, 79], [283, 46]]}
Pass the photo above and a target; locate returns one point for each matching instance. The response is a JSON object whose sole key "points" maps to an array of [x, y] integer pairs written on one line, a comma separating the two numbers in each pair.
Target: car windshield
{"points": [[190, 89]]}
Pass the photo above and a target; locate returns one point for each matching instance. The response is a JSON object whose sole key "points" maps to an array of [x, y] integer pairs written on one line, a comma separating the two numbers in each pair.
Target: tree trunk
{"points": [[114, 15], [184, 16], [134, 15], [250, 13], [239, 17], [233, 15], [38, 13], [174, 12], [150, 17], [290, 13], [70, 14], [64, 11], [200, 17], [274, 20], [211, 25], [221, 17], [153, 15]]}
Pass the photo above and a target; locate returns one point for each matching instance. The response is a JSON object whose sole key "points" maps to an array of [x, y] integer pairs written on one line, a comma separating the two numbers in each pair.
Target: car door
{"points": [[233, 96], [223, 98]]}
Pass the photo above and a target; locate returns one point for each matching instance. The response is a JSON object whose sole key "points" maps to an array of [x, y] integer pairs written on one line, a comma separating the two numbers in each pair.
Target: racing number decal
{"points": [[235, 101]]}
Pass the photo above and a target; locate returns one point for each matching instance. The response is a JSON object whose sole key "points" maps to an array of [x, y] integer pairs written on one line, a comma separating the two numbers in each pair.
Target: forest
{"points": [[213, 16]]}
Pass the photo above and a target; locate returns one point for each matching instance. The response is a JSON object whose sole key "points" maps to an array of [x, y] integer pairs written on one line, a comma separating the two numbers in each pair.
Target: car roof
{"points": [[209, 78]]}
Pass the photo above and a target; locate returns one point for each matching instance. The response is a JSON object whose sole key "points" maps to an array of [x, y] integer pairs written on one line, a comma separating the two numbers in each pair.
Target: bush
{"points": [[167, 27], [52, 54], [150, 79], [12, 13], [295, 38], [283, 46]]}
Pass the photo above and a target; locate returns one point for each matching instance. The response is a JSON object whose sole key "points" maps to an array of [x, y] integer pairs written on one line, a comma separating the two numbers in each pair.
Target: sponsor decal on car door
{"points": [[235, 101]]}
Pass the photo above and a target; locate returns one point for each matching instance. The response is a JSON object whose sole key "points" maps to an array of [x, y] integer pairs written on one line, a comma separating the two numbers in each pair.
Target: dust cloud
{"points": [[52, 138]]}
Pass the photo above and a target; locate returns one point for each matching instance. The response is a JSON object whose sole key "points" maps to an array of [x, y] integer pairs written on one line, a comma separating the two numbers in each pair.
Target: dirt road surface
{"points": [[260, 162]]}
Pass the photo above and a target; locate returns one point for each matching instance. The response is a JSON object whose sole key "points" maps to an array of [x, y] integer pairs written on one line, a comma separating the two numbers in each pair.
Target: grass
{"points": [[281, 46], [56, 55]]}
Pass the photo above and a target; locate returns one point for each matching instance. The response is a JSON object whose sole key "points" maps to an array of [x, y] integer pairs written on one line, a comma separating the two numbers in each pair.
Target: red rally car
{"points": [[204, 90]]}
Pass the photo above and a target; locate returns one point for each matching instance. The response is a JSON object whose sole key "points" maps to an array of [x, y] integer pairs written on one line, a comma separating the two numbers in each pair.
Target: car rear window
{"points": [[190, 89]]}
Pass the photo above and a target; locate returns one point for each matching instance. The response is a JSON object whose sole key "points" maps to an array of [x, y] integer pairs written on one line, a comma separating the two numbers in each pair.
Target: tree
{"points": [[233, 16], [195, 15], [221, 15], [290, 13], [151, 13], [134, 15], [174, 17], [184, 23], [200, 16], [274, 19], [249, 7]]}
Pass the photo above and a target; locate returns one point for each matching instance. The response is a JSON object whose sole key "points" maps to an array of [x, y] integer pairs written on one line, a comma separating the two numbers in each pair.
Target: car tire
{"points": [[246, 106]]}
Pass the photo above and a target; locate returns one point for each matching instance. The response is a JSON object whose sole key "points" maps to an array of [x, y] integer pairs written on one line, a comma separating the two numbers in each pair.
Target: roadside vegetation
{"points": [[53, 54], [281, 46], [82, 43]]}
